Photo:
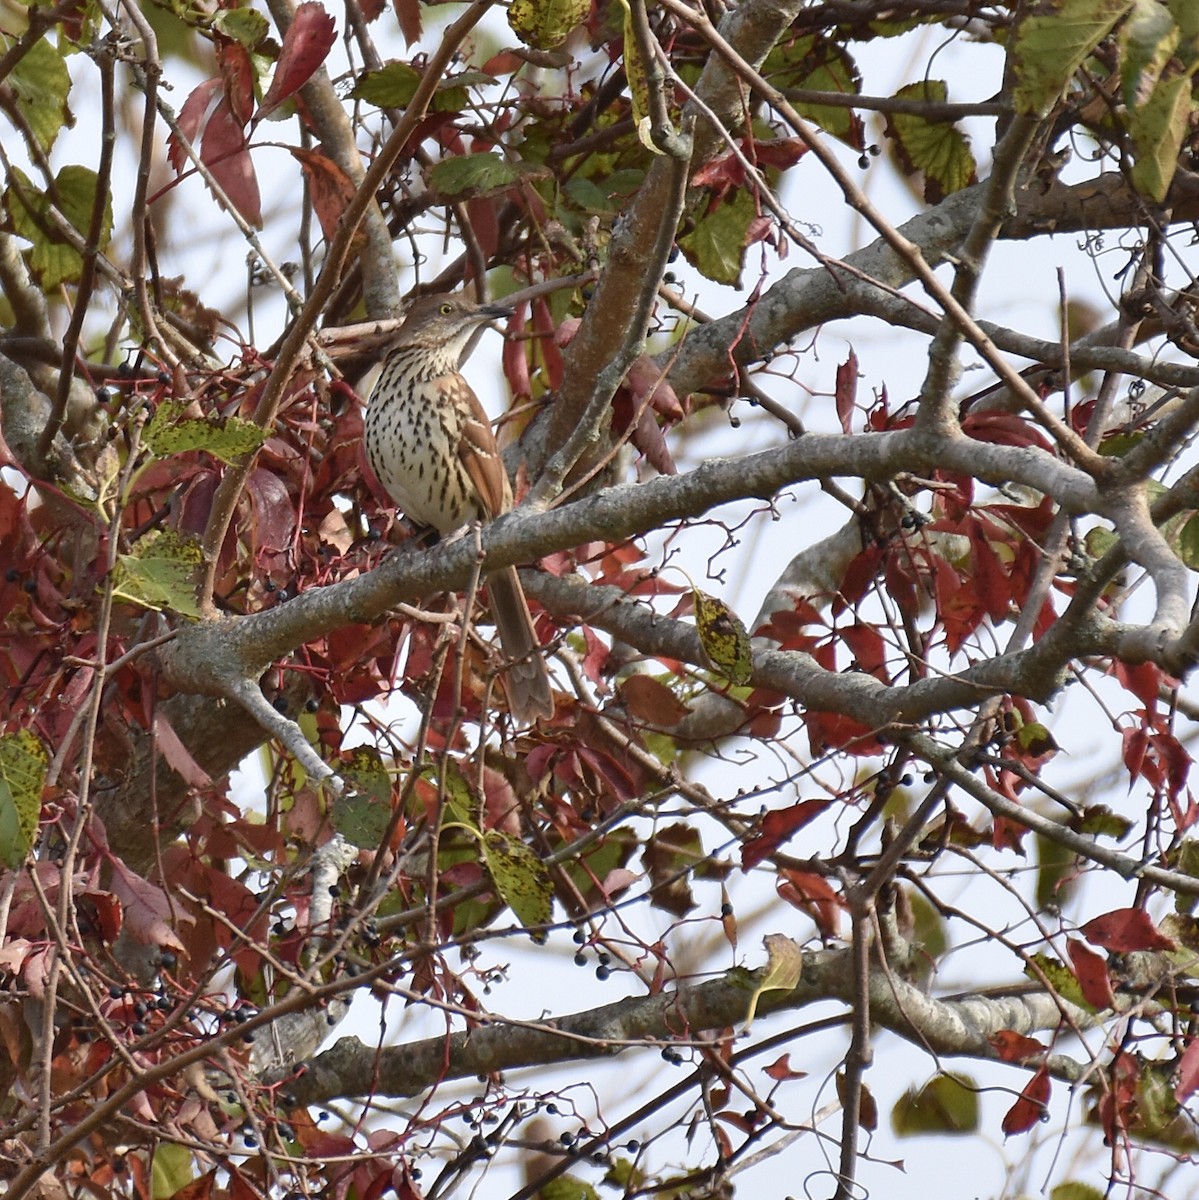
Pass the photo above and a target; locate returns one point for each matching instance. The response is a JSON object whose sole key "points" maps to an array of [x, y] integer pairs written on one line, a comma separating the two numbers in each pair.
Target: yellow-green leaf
{"points": [[171, 1170], [23, 761], [946, 1104], [472, 175], [1053, 42], [936, 149], [545, 24], [784, 966], [361, 815], [52, 258], [716, 246], [228, 438], [1157, 128], [723, 637], [1060, 978], [162, 572], [520, 877], [40, 84], [394, 85]]}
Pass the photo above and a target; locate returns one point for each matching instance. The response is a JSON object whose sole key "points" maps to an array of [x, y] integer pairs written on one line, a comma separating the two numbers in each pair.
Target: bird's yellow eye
{"points": [[446, 309]]}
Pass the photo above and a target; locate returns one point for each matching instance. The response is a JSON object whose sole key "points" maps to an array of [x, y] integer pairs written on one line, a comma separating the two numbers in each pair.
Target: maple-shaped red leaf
{"points": [[1014, 1047], [1125, 929], [1188, 1073], [307, 43], [1090, 969], [777, 826], [1030, 1108]]}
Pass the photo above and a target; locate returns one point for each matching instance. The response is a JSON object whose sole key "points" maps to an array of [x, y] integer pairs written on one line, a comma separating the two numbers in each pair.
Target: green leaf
{"points": [[228, 438], [362, 814], [784, 966], [171, 1170], [1099, 821], [394, 85], [545, 24], [936, 149], [472, 175], [243, 25], [521, 878], [716, 246], [567, 1187], [1053, 42], [822, 65], [52, 258], [1188, 542], [460, 807], [162, 572], [1157, 128], [23, 761], [947, 1104], [1075, 1191], [40, 84], [1147, 40], [724, 638]]}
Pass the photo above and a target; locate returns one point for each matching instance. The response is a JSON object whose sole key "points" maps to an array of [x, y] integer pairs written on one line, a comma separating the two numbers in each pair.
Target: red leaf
{"points": [[780, 1070], [192, 117], [408, 15], [1188, 1073], [177, 754], [330, 188], [226, 153], [777, 826], [1090, 969], [147, 908], [1030, 1108], [811, 894], [308, 40], [237, 72], [1145, 681], [847, 391], [651, 701], [1126, 929], [1014, 1047]]}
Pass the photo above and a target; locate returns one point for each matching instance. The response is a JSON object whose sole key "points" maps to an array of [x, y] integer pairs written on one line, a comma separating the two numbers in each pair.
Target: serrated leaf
{"points": [[784, 966], [394, 85], [1053, 42], [947, 1104], [472, 175], [521, 878], [1060, 978], [52, 258], [361, 815], [23, 761], [162, 572], [724, 638], [1157, 129], [228, 438], [40, 84], [546, 24], [716, 246], [1100, 821], [823, 65], [938, 150], [1147, 40], [244, 25], [362, 820]]}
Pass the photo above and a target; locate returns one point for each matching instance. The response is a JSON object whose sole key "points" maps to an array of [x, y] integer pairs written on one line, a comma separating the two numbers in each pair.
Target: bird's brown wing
{"points": [[479, 453]]}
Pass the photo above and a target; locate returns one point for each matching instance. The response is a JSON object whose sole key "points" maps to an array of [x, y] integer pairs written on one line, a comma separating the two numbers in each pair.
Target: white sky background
{"points": [[1020, 289]]}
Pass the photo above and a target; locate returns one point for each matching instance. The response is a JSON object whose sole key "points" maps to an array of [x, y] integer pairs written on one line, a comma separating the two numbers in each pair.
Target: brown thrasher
{"points": [[430, 443]]}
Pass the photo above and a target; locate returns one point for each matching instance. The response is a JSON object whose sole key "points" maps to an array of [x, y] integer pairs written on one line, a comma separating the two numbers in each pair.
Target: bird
{"points": [[430, 443]]}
